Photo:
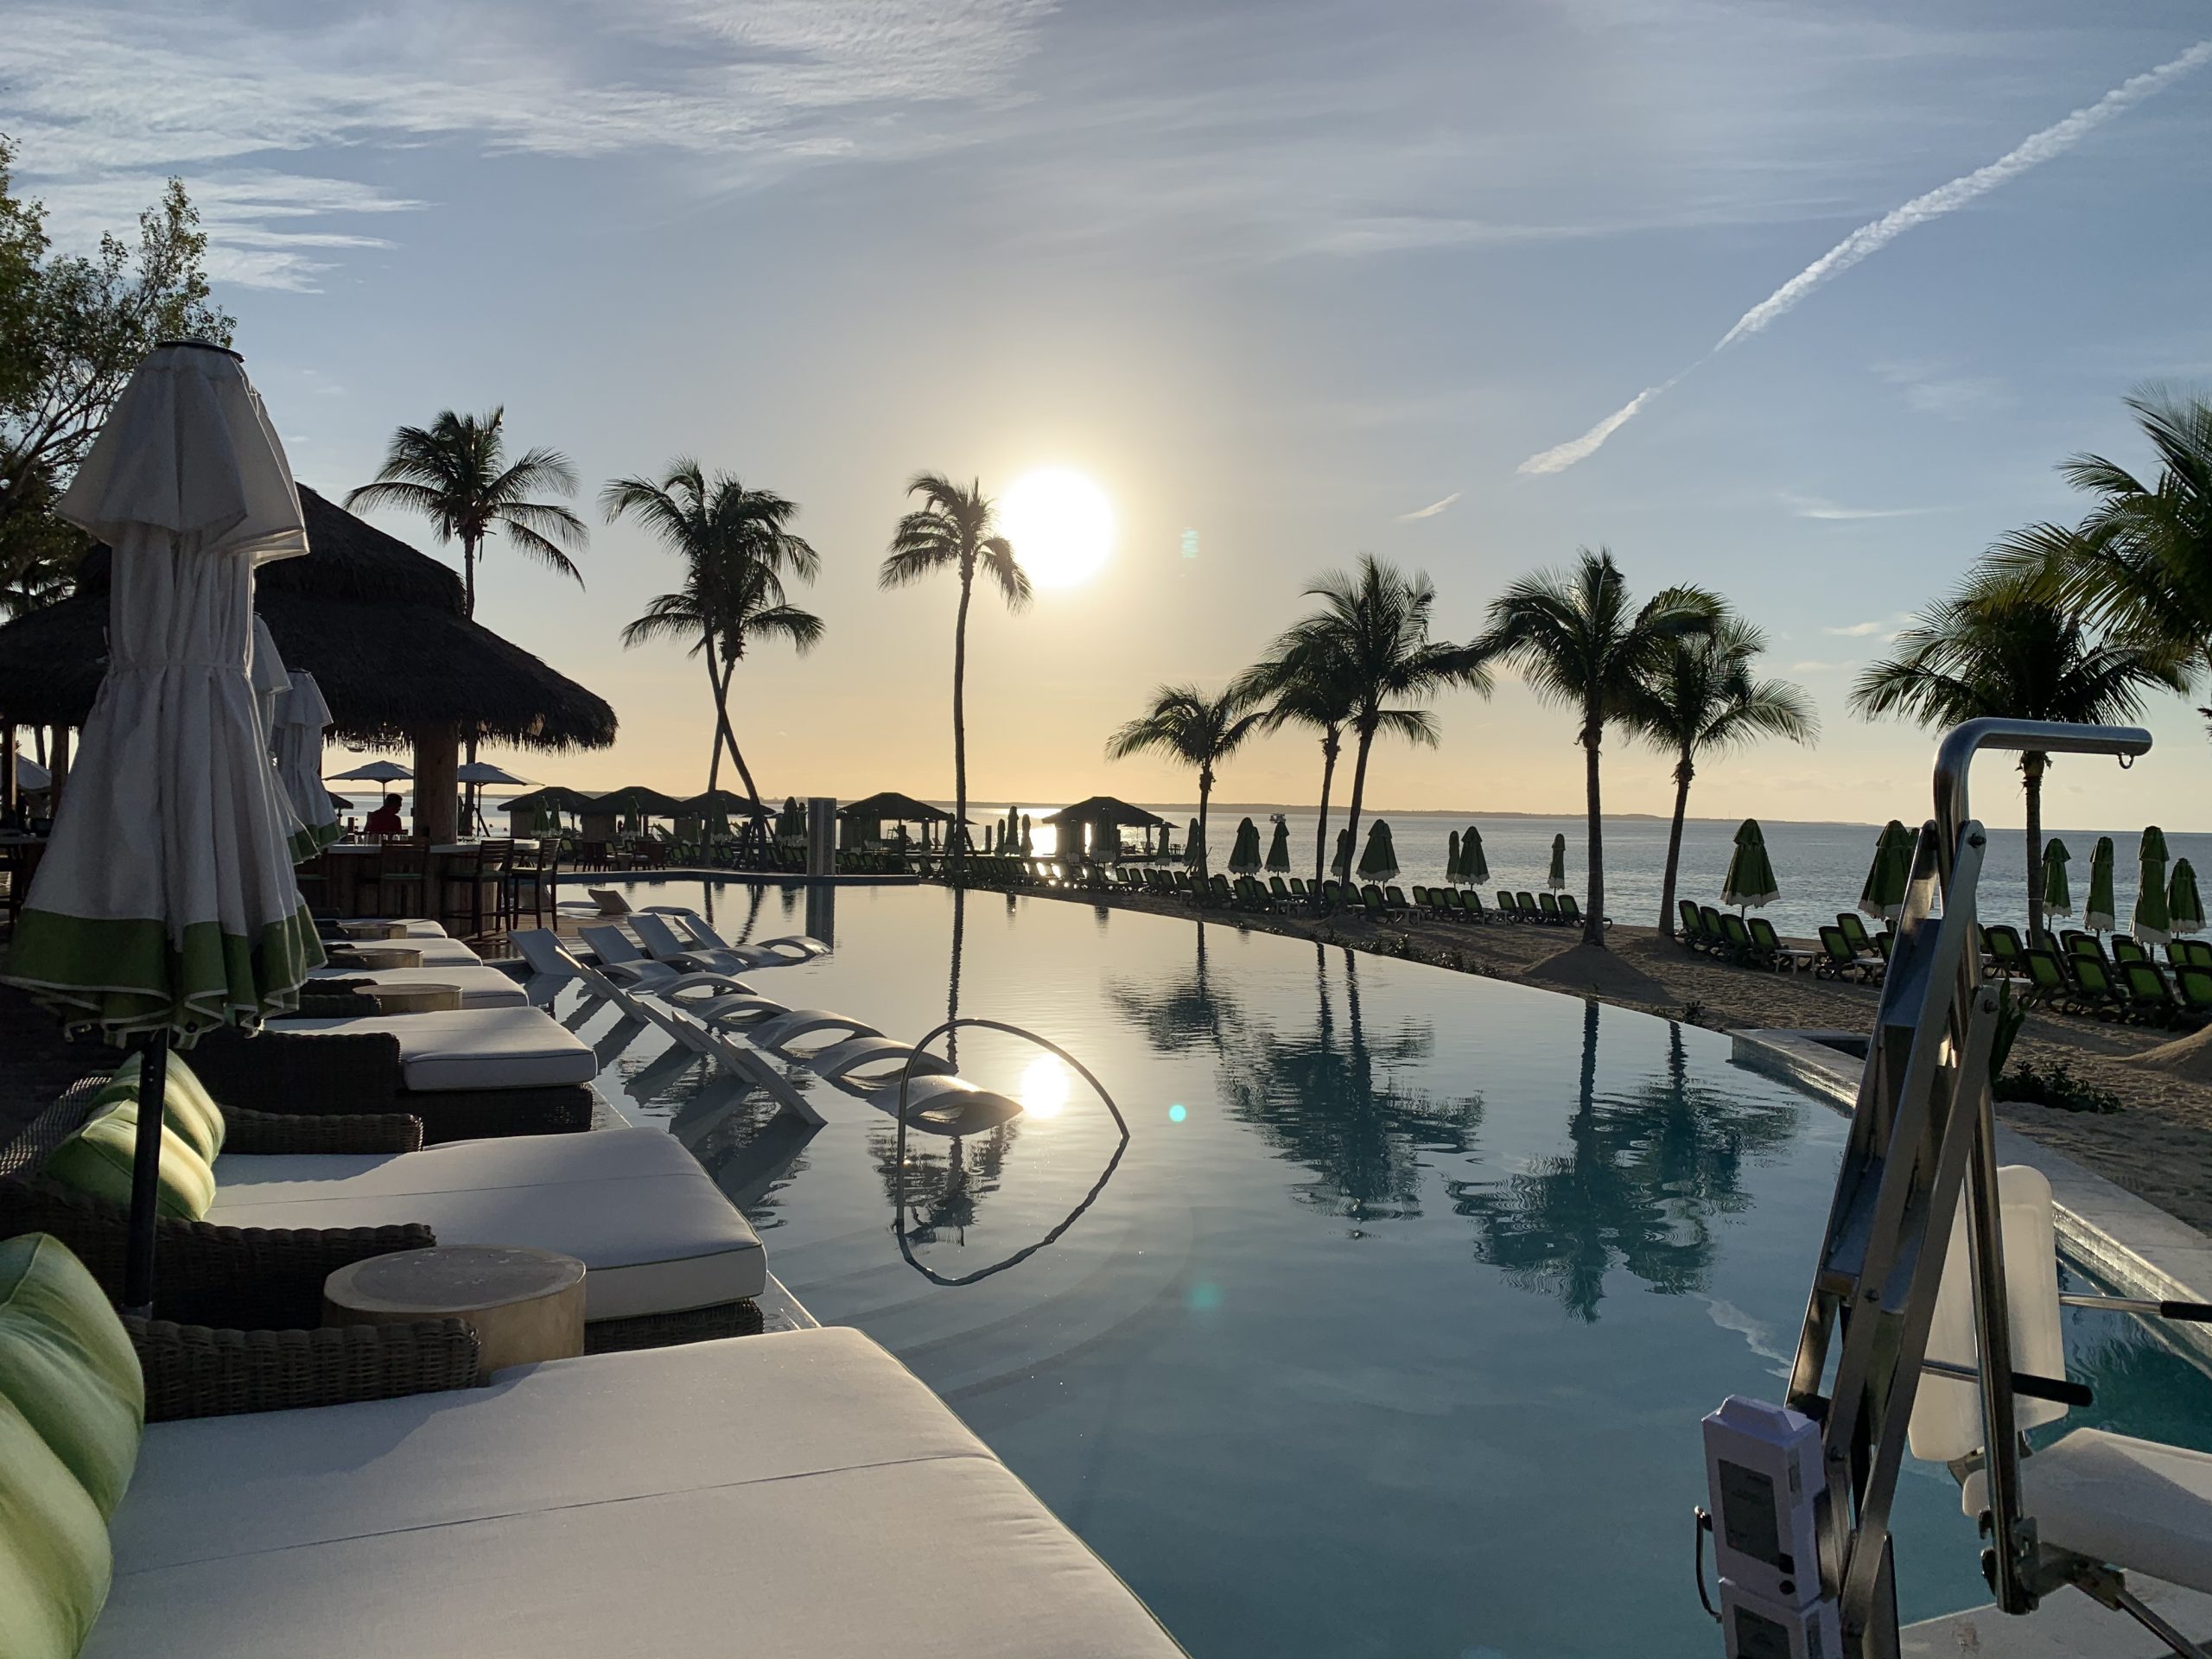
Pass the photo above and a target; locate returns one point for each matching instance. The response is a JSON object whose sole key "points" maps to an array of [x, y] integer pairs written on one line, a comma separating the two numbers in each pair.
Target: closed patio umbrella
{"points": [[2184, 906], [1555, 878], [166, 906], [1378, 861], [1244, 851], [1882, 897], [1279, 848], [2151, 924], [1341, 864], [1028, 842], [1750, 882], [301, 716], [2058, 897], [1194, 847], [1452, 857], [2101, 914], [1474, 868]]}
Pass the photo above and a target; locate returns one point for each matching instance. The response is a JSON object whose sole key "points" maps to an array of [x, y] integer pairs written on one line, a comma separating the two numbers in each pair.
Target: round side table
{"points": [[389, 956], [414, 999], [373, 931], [524, 1305]]}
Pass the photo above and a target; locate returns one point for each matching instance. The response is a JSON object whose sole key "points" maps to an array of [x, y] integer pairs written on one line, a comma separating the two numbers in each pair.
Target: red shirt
{"points": [[385, 821]]}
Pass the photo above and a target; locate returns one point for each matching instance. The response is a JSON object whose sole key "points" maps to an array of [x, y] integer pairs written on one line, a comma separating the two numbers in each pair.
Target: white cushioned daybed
{"points": [[479, 987], [798, 1494], [472, 1048]]}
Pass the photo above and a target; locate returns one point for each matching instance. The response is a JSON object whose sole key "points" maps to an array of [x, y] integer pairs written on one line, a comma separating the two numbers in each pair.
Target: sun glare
{"points": [[1061, 525], [1046, 1087]]}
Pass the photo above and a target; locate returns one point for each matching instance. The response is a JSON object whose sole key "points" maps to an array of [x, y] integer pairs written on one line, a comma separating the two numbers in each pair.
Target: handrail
{"points": [[1956, 753]]}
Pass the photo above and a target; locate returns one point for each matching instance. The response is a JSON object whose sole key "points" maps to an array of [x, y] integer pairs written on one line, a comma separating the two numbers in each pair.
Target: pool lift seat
{"points": [[1800, 1495]]}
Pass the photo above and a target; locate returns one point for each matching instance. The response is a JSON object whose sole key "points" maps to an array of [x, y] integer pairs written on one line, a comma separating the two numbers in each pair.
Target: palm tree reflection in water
{"points": [[1642, 1178]]}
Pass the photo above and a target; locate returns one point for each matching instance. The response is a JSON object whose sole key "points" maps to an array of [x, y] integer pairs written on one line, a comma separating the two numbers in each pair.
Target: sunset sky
{"points": [[1288, 282]]}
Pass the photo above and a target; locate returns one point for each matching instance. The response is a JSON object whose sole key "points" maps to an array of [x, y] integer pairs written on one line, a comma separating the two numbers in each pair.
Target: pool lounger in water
{"points": [[622, 962], [781, 1032]]}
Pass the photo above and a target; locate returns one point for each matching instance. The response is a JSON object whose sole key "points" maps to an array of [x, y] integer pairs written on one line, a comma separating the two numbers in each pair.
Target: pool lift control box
{"points": [[1763, 1471]]}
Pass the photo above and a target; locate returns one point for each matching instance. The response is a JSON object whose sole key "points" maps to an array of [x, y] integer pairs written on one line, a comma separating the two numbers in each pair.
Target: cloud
{"points": [[1812, 667], [1812, 506], [1864, 629], [1431, 510], [1930, 391], [1868, 239]]}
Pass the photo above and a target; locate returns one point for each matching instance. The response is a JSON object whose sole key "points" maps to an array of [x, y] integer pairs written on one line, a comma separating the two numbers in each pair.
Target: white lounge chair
{"points": [[660, 942], [2103, 1504], [791, 948], [621, 961], [782, 1033]]}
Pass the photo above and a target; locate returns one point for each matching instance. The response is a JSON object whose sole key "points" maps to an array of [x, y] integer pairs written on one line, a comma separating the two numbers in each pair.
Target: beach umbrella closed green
{"points": [[1279, 848], [2101, 914], [1474, 868], [1028, 843], [1882, 896], [1341, 864], [1378, 860], [1244, 851], [1750, 882], [2152, 926], [1451, 856], [2058, 897], [2184, 906], [1555, 878], [165, 906], [1194, 846]]}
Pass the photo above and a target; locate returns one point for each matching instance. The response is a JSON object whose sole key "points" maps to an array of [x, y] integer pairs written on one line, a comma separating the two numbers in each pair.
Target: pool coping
{"points": [[2128, 1242]]}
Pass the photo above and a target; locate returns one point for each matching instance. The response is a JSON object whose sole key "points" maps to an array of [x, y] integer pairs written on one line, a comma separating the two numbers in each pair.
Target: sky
{"points": [[1802, 302]]}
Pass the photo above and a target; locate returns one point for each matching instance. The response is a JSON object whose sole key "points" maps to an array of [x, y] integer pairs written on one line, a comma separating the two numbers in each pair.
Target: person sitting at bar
{"points": [[385, 821]]}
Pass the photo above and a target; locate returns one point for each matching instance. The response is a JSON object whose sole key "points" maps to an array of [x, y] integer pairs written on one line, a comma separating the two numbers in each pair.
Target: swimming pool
{"points": [[1390, 1334]]}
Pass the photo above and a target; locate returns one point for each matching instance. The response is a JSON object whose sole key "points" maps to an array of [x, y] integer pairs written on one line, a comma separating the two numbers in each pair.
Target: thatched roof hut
{"points": [[1094, 825], [381, 627]]}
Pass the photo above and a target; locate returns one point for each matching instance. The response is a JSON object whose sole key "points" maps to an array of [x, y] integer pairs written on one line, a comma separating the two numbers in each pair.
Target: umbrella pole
{"points": [[145, 1175]]}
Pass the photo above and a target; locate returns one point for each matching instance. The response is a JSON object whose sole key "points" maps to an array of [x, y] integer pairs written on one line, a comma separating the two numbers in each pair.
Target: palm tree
{"points": [[1202, 732], [737, 547], [1701, 699], [1994, 651], [455, 474], [955, 527], [1308, 683], [1372, 631], [1578, 639]]}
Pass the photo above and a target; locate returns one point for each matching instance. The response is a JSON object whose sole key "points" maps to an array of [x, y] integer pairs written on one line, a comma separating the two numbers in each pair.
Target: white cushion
{"points": [[479, 987], [439, 953], [474, 1048], [597, 1506], [649, 1224], [2133, 1505]]}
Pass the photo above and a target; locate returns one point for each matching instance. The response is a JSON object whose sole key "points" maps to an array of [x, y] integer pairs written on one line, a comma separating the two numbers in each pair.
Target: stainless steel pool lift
{"points": [[1923, 1135]]}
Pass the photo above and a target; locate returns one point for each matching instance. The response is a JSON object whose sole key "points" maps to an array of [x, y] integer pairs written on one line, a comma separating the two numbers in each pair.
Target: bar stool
{"points": [[402, 877]]}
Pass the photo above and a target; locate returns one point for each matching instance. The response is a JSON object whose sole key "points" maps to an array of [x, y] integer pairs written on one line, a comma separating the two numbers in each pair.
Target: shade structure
{"points": [[552, 797], [301, 716], [481, 772], [166, 904], [1750, 882], [1279, 848], [635, 800], [1378, 860], [2151, 921], [720, 802], [1244, 851], [1555, 878], [375, 771], [2101, 913], [1883, 896], [2184, 904], [891, 805], [1474, 868], [1340, 861], [2057, 896]]}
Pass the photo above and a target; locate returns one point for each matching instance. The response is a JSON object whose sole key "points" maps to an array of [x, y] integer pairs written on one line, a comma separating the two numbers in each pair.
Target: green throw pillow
{"points": [[55, 1564], [95, 1159], [186, 1106], [66, 1363]]}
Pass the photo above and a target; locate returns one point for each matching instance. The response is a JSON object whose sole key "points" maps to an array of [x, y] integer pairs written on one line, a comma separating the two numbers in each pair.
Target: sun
{"points": [[1061, 525], [1045, 1087]]}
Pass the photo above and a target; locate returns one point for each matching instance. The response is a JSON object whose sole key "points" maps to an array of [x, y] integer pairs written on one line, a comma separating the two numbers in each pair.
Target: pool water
{"points": [[1390, 1333]]}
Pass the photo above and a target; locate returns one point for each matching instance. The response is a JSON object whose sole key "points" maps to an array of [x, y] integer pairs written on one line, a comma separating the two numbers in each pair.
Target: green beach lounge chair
{"points": [[1394, 898], [1370, 896], [2150, 1000], [2001, 944], [2125, 947], [1547, 901], [1690, 935], [1788, 958], [1737, 938], [2193, 988], [2048, 986], [1570, 910], [1854, 931], [2093, 989], [1840, 961], [1526, 904]]}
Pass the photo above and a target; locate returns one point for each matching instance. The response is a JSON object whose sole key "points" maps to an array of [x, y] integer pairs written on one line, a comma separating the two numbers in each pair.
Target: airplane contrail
{"points": [[2053, 141], [1431, 510]]}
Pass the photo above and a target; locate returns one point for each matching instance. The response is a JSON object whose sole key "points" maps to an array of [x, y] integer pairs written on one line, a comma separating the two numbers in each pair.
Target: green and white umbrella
{"points": [[1028, 842], [165, 906], [2102, 915], [1244, 851], [2184, 906], [1750, 880], [2058, 897], [1378, 861], [1279, 848], [1474, 868], [1555, 878], [2152, 926], [1882, 896], [301, 717], [1194, 848], [1452, 857], [1340, 864]]}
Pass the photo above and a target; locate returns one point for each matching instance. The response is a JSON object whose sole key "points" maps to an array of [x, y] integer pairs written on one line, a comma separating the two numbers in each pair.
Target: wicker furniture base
{"points": [[195, 1372], [663, 1330]]}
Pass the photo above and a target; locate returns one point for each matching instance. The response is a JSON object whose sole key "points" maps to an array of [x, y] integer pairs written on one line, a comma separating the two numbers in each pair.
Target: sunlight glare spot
{"points": [[1045, 1087], [1061, 525]]}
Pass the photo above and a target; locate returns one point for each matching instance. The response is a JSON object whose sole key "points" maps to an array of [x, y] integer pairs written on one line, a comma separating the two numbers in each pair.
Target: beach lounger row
{"points": [[1751, 941]]}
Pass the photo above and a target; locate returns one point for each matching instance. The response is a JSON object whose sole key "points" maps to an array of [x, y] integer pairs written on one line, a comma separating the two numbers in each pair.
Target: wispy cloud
{"points": [[1930, 389], [1886, 628], [1431, 510], [1812, 506], [1868, 239]]}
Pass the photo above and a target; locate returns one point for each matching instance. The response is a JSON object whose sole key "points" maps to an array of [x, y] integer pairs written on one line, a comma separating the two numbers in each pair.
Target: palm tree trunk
{"points": [[1593, 925], [714, 758], [725, 732], [960, 707], [469, 728], [1330, 745], [1358, 794], [1205, 788], [468, 575], [2031, 767], [1684, 771]]}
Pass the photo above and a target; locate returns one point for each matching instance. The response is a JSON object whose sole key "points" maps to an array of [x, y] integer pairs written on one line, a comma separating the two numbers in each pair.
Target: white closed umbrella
{"points": [[165, 904], [265, 668], [301, 718]]}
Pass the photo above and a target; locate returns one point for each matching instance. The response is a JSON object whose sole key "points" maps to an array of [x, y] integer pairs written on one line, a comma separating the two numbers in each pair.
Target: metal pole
{"points": [[145, 1175]]}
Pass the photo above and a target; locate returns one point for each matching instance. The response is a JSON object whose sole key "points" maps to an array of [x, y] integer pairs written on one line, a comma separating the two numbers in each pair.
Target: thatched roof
{"points": [[378, 624], [1106, 808], [891, 805]]}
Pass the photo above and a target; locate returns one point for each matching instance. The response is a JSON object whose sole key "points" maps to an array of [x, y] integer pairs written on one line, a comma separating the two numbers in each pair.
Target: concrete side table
{"points": [[370, 931], [413, 998], [524, 1305], [389, 956]]}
